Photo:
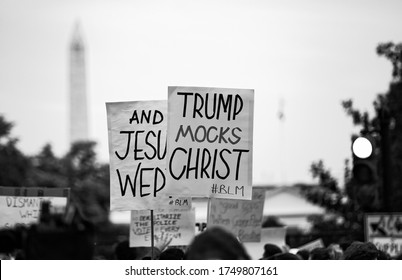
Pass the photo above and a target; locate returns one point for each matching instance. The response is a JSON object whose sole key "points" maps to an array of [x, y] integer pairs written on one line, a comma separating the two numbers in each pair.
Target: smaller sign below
{"points": [[175, 223], [392, 246], [385, 231], [241, 217], [22, 205]]}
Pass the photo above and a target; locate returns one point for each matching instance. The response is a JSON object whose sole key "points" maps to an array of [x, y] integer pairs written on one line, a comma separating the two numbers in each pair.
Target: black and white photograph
{"points": [[252, 131]]}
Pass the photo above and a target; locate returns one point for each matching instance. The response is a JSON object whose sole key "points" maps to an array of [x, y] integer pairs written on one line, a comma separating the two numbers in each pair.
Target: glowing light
{"points": [[362, 147]]}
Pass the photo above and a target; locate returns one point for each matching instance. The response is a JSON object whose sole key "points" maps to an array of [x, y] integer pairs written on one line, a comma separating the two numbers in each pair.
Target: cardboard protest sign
{"points": [[241, 217], [210, 142], [272, 235], [385, 231], [175, 223], [137, 149], [312, 245], [392, 246], [22, 205]]}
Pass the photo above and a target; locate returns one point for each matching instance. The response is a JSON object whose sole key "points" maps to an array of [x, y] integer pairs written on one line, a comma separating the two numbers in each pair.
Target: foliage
{"points": [[77, 170], [14, 165], [348, 205]]}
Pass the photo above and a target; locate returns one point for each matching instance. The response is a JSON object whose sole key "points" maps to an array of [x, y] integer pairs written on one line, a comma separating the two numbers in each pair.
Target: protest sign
{"points": [[390, 245], [175, 223], [241, 217], [312, 245], [22, 205], [210, 142], [272, 235], [385, 231], [137, 149]]}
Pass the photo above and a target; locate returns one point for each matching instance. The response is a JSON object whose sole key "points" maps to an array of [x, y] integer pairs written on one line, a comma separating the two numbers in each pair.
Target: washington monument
{"points": [[78, 88]]}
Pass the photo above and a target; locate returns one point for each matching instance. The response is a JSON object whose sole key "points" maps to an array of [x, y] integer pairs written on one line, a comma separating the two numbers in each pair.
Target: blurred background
{"points": [[324, 73]]}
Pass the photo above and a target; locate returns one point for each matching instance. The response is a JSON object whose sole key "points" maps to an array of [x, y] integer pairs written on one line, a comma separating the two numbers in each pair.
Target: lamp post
{"points": [[384, 117]]}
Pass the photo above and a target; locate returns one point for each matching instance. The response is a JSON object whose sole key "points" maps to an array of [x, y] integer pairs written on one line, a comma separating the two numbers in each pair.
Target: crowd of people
{"points": [[212, 244], [218, 244], [68, 236]]}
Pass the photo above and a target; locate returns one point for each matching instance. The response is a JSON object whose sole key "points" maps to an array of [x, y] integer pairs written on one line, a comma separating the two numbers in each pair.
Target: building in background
{"points": [[290, 207], [78, 89]]}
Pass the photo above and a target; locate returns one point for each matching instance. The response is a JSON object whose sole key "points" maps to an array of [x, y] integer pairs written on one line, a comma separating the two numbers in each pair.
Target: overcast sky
{"points": [[302, 56]]}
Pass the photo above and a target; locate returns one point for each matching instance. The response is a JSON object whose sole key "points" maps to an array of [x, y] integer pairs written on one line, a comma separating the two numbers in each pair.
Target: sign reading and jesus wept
{"points": [[210, 142], [177, 224], [137, 149], [241, 217], [22, 205]]}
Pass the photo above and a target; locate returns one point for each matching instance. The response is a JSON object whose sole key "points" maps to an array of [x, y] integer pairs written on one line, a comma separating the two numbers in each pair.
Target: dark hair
{"points": [[361, 251], [270, 250], [124, 252], [304, 254], [8, 241], [345, 245], [320, 254], [284, 256], [172, 254], [216, 243], [383, 255]]}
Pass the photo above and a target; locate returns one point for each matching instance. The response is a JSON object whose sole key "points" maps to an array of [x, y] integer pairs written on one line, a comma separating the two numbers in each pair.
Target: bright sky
{"points": [[303, 56]]}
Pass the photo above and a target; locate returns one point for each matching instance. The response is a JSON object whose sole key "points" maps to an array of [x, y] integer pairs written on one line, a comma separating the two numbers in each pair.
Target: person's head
{"points": [[172, 254], [345, 244], [336, 251], [216, 244], [304, 254], [284, 256], [383, 255], [124, 252], [320, 254], [8, 241], [361, 251], [270, 250]]}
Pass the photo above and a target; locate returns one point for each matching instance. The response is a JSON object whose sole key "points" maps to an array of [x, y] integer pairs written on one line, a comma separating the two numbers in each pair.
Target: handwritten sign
{"points": [[137, 149], [272, 235], [175, 223], [210, 141], [22, 205], [385, 231], [392, 246], [382, 225], [241, 217]]}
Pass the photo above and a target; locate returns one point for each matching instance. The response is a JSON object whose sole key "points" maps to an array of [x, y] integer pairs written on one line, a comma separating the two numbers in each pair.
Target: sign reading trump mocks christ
{"points": [[210, 142]]}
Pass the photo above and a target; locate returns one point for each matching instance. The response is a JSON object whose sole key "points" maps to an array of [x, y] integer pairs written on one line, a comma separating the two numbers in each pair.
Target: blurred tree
{"points": [[389, 107], [89, 181], [348, 204], [386, 127], [77, 170], [343, 213], [48, 170], [14, 165]]}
